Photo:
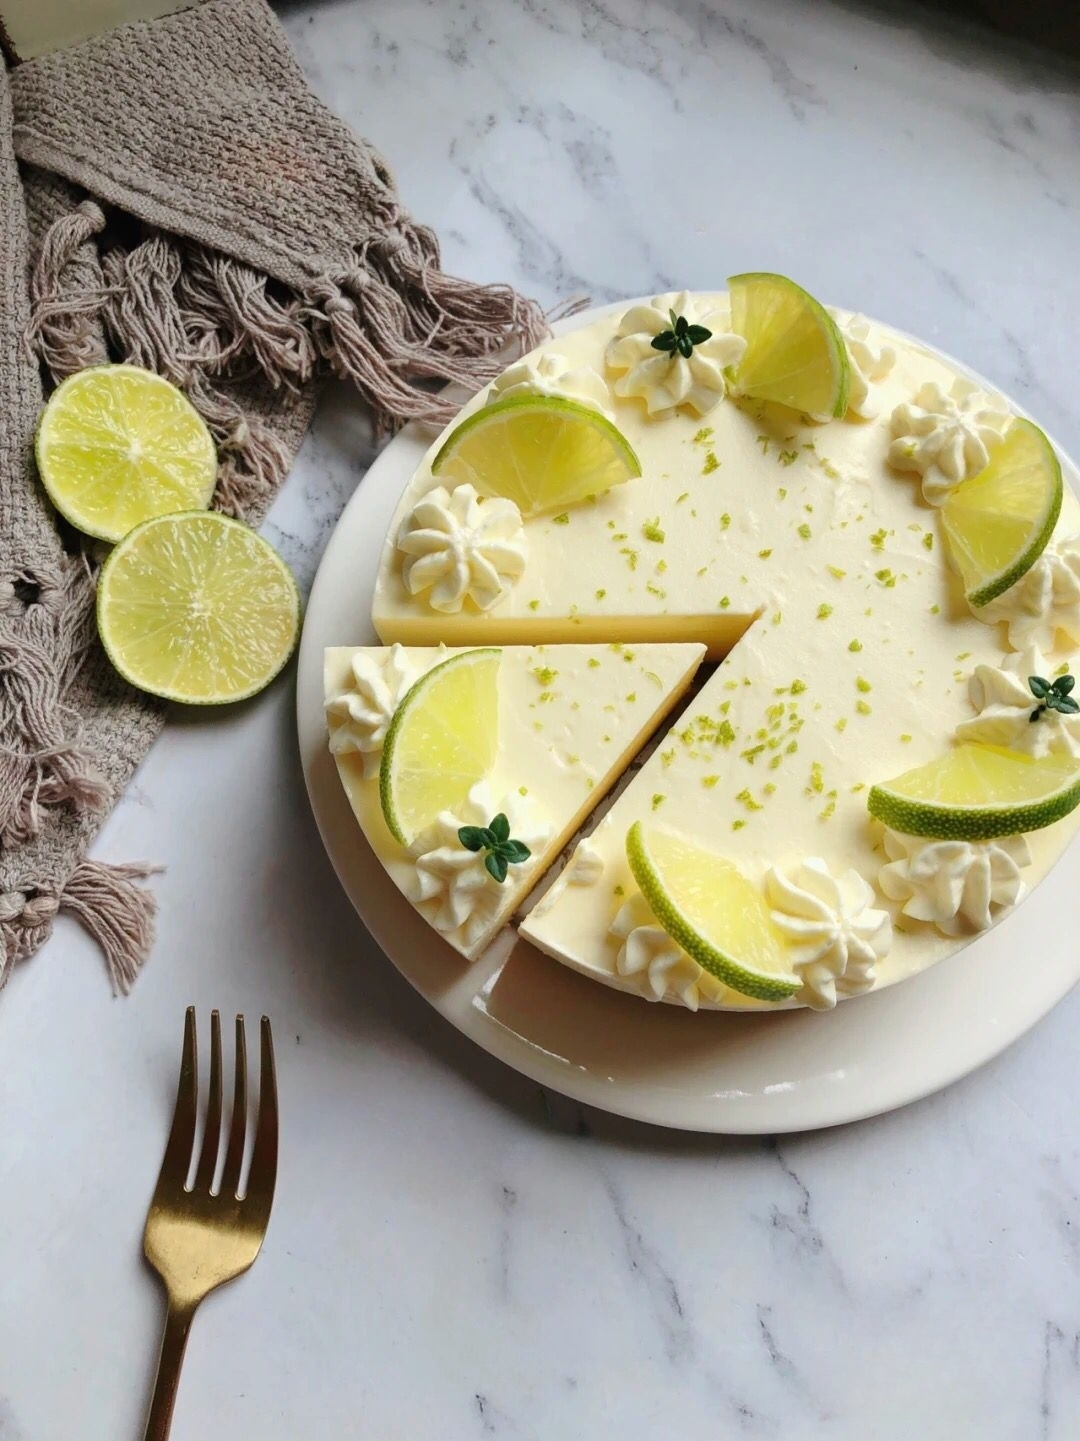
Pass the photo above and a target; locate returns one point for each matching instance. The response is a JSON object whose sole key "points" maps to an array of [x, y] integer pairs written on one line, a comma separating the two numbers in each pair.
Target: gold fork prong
{"points": [[204, 1176], [177, 1159], [264, 1156], [234, 1156]]}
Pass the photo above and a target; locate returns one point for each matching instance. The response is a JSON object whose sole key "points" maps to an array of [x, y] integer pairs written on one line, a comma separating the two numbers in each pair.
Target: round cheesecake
{"points": [[808, 557]]}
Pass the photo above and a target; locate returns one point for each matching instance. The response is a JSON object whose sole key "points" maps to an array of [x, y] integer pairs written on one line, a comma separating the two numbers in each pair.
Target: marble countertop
{"points": [[453, 1252]]}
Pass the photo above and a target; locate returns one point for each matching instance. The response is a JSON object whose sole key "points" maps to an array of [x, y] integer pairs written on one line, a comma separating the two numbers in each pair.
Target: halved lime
{"points": [[544, 452], [999, 522], [441, 741], [795, 354], [197, 608], [117, 445], [708, 907], [976, 792]]}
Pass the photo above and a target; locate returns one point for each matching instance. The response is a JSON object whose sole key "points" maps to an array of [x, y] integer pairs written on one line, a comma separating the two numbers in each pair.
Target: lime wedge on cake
{"points": [[712, 911], [543, 452], [795, 354], [197, 608], [998, 522], [117, 445], [976, 792], [441, 741]]}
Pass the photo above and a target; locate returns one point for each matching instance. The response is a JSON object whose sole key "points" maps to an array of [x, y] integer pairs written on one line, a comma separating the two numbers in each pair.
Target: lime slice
{"points": [[441, 741], [977, 792], [998, 523], [541, 451], [197, 608], [710, 909], [795, 355], [117, 445]]}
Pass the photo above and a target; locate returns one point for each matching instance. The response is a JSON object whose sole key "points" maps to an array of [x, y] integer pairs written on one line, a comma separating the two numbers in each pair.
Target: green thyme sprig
{"points": [[1053, 695], [682, 336], [502, 852]]}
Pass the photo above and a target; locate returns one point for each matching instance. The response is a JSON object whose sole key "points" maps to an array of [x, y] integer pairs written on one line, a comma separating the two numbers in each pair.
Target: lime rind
{"points": [[778, 985], [967, 500], [119, 654], [65, 436], [613, 462], [388, 798], [898, 805], [759, 290]]}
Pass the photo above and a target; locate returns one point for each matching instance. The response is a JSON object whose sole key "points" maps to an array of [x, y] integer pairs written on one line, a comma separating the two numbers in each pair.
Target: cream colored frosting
{"points": [[665, 380], [868, 365], [452, 887], [945, 436], [587, 866], [357, 716], [549, 373], [1005, 704], [834, 933], [648, 954], [462, 548], [1043, 607], [959, 886]]}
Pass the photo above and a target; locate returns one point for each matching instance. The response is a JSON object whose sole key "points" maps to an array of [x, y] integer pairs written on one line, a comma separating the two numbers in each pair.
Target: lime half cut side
{"points": [[712, 911], [442, 739], [543, 452], [197, 608], [977, 792], [999, 522], [117, 445], [795, 354]]}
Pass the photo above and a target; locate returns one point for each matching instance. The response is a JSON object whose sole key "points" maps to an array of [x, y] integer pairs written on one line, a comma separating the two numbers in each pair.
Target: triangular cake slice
{"points": [[570, 719]]}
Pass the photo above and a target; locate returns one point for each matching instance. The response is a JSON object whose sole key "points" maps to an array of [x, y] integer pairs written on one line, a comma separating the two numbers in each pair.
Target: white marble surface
{"points": [[452, 1253]]}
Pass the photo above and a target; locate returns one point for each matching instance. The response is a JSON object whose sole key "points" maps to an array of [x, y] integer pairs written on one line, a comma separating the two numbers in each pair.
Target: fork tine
{"points": [[177, 1158], [234, 1157], [204, 1176], [264, 1156]]}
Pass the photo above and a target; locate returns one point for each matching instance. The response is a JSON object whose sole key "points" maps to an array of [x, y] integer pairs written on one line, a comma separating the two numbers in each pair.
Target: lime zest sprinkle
{"points": [[711, 463], [764, 554], [824, 611], [593, 663], [658, 800], [709, 781], [561, 519], [601, 593], [745, 798], [805, 531], [817, 779], [862, 707], [854, 646], [725, 521], [886, 577], [836, 572], [651, 530], [863, 685], [928, 540]]}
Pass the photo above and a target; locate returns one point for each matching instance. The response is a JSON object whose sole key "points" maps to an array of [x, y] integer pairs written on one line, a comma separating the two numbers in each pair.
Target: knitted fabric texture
{"points": [[184, 203]]}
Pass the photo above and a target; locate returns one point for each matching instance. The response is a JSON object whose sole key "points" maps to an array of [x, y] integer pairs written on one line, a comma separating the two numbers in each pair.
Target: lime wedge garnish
{"points": [[712, 911], [197, 608], [543, 452], [977, 792], [998, 523], [795, 355], [117, 445], [441, 741]]}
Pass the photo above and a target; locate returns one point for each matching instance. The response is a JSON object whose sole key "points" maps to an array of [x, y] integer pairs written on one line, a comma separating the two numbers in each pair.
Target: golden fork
{"points": [[197, 1239]]}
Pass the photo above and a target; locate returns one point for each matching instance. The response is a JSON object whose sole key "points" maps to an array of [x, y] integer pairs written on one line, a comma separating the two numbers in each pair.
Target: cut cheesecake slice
{"points": [[568, 721]]}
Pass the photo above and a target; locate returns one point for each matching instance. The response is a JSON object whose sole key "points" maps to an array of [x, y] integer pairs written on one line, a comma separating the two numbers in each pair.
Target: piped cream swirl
{"points": [[462, 548]]}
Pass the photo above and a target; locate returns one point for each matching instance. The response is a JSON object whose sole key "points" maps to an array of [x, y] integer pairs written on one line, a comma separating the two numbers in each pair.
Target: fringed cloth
{"points": [[185, 203]]}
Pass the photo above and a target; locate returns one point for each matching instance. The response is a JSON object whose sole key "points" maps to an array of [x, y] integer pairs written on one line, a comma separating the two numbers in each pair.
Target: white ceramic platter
{"points": [[707, 1072]]}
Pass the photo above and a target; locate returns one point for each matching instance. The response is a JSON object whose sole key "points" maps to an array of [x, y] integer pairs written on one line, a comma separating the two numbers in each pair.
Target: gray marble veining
{"points": [[455, 1253]]}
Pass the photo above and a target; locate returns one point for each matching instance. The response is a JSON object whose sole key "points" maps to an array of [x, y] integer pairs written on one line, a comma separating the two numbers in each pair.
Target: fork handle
{"points": [[173, 1345]]}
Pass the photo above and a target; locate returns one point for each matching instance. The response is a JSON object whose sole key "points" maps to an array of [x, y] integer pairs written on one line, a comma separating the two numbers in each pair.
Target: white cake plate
{"points": [[791, 1071]]}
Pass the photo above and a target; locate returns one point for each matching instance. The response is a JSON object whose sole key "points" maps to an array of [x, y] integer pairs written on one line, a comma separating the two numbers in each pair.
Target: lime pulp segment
{"points": [[543, 452], [999, 522], [197, 608], [709, 908], [117, 445], [442, 739], [795, 354], [977, 792]]}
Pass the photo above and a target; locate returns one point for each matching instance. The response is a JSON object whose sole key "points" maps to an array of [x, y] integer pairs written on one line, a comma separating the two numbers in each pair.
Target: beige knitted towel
{"points": [[186, 203]]}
